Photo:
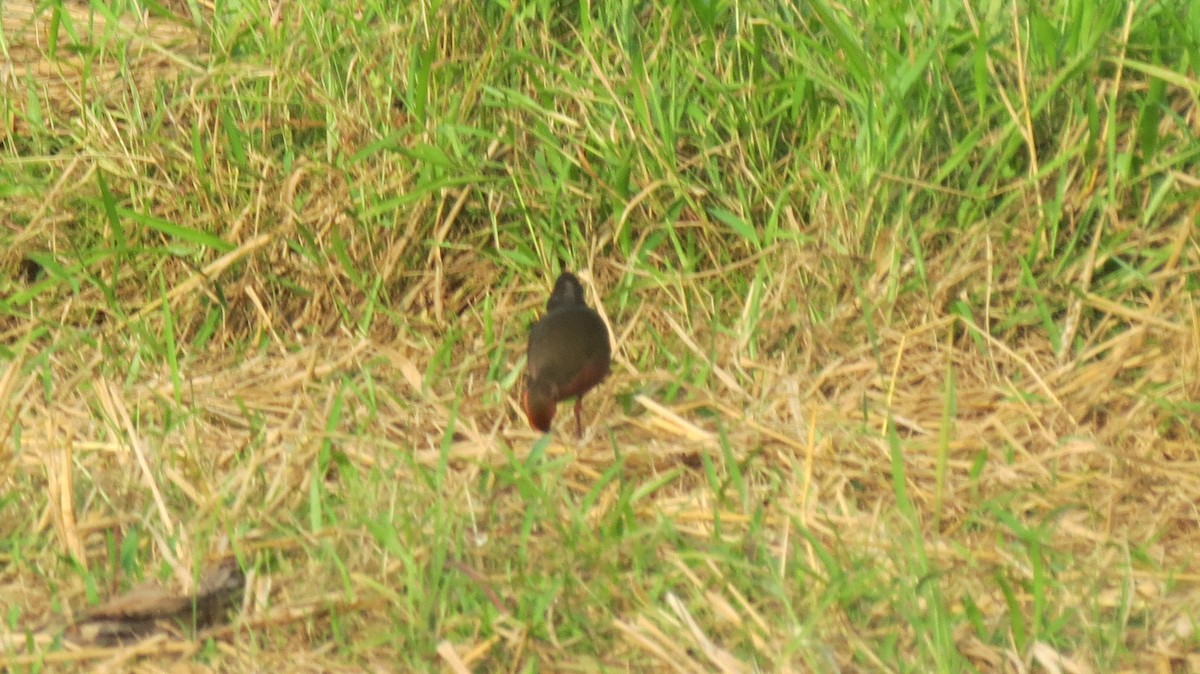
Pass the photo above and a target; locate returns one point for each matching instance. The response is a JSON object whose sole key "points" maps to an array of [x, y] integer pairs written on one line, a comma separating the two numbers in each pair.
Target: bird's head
{"points": [[539, 401]]}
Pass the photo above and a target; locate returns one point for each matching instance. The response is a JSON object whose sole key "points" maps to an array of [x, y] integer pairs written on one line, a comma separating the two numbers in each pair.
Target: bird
{"points": [[568, 355]]}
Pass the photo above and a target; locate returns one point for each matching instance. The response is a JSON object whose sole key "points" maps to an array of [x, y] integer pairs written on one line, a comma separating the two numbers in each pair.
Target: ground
{"points": [[903, 305]]}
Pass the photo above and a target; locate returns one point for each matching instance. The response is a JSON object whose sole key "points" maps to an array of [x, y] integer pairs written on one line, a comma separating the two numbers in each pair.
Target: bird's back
{"points": [[569, 347]]}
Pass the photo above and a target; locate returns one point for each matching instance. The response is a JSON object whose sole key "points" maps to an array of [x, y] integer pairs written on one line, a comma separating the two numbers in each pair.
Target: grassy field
{"points": [[904, 300]]}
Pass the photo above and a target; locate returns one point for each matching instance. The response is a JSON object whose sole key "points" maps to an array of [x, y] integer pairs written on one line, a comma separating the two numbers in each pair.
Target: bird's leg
{"points": [[578, 411]]}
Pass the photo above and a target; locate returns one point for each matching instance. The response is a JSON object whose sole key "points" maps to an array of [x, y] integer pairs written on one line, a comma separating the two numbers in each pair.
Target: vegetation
{"points": [[903, 296]]}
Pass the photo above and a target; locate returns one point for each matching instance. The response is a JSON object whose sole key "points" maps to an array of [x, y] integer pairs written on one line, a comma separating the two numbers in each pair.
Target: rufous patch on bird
{"points": [[568, 355]]}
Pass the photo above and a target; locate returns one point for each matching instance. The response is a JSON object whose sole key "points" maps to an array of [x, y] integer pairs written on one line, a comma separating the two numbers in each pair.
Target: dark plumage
{"points": [[568, 354]]}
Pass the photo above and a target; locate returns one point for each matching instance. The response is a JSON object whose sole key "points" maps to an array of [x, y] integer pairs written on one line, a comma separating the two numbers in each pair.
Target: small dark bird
{"points": [[568, 355]]}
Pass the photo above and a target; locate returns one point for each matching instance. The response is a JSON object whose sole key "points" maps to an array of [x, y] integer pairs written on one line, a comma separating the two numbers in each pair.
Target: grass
{"points": [[903, 298]]}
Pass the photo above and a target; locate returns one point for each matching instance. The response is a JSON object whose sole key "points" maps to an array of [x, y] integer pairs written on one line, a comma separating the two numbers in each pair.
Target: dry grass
{"points": [[847, 449]]}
